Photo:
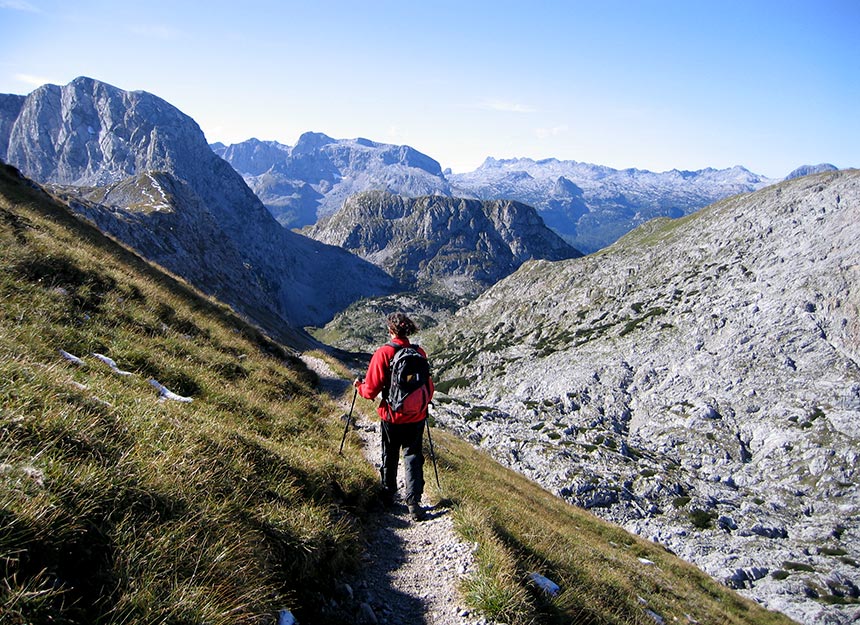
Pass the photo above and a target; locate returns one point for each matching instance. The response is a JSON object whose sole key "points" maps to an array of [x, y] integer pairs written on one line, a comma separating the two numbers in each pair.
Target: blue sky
{"points": [[648, 84]]}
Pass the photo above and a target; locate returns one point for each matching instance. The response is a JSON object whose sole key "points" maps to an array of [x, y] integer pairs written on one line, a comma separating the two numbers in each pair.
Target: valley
{"points": [[694, 378]]}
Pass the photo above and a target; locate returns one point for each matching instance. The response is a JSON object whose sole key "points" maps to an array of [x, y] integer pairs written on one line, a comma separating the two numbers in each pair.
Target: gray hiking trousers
{"points": [[406, 436]]}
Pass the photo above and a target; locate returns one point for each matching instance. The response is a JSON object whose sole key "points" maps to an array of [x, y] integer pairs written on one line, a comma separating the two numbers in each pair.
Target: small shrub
{"points": [[837, 600], [797, 566], [476, 412], [702, 519], [446, 385], [828, 551]]}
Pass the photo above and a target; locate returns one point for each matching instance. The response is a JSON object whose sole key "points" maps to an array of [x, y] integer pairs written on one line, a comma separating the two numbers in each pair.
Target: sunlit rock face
{"points": [[696, 382], [451, 246]]}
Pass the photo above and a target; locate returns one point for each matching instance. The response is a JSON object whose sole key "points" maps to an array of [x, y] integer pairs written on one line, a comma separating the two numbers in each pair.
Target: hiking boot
{"points": [[416, 512]]}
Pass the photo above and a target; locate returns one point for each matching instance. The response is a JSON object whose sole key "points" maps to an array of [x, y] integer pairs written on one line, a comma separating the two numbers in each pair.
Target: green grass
{"points": [[116, 507], [492, 589]]}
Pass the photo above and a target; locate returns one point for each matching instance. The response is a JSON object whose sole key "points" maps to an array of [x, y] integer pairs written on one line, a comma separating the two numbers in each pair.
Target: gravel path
{"points": [[410, 570]]}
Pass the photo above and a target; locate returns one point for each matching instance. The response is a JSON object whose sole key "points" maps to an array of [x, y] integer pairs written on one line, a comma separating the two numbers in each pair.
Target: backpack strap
{"points": [[387, 387], [398, 346]]}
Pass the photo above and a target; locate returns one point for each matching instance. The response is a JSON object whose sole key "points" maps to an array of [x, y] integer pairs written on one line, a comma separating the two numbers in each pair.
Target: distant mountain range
{"points": [[590, 206], [142, 171], [301, 184]]}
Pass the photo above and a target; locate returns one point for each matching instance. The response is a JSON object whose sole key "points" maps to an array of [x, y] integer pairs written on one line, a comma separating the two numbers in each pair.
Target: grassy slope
{"points": [[117, 508]]}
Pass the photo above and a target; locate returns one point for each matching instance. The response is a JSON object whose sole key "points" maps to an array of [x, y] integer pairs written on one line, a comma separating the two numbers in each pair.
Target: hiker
{"points": [[402, 420]]}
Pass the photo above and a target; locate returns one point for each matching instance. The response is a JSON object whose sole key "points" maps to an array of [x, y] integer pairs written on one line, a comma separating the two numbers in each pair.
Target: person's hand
{"points": [[357, 382]]}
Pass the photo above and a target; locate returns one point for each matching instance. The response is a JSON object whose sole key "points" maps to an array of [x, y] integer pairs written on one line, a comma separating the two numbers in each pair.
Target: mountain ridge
{"points": [[482, 242], [588, 205], [697, 382], [311, 180], [591, 206]]}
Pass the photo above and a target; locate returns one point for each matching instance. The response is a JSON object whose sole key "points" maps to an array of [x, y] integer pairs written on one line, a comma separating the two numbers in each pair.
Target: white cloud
{"points": [[555, 131], [157, 31], [506, 106], [18, 5], [397, 134], [35, 81]]}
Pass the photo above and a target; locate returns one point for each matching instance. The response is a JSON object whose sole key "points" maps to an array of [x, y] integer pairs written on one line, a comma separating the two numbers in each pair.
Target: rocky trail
{"points": [[409, 571]]}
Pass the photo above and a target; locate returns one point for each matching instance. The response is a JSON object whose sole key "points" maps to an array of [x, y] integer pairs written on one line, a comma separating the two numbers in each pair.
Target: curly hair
{"points": [[400, 325]]}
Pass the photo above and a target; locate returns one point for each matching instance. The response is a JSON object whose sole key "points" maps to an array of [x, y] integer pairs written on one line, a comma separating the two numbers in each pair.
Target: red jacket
{"points": [[378, 375]]}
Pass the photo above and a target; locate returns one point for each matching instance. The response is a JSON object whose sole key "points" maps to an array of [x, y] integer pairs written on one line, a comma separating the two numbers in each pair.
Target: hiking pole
{"points": [[433, 457], [348, 417]]}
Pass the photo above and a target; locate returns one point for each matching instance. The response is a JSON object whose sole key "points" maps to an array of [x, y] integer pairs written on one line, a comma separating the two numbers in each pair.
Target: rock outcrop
{"points": [[697, 382], [452, 246], [808, 170]]}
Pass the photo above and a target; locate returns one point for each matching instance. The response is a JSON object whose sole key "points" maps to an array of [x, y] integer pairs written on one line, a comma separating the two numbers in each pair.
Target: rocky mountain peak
{"points": [[806, 170], [563, 186], [450, 245], [252, 156], [89, 133], [311, 180], [142, 170], [310, 142], [410, 157]]}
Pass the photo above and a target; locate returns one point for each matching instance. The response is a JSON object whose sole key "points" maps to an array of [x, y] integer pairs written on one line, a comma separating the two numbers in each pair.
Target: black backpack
{"points": [[410, 371]]}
